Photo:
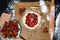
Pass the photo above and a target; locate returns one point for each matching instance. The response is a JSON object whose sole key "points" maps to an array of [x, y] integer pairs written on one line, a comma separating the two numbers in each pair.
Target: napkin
{"points": [[4, 17]]}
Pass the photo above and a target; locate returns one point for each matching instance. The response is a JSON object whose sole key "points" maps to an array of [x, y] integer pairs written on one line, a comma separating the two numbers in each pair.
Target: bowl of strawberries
{"points": [[11, 29]]}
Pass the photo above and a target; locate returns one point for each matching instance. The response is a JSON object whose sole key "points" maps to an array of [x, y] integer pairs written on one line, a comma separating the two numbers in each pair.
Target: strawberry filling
{"points": [[31, 19]]}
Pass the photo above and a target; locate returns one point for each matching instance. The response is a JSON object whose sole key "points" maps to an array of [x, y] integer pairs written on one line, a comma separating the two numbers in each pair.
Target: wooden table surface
{"points": [[37, 34]]}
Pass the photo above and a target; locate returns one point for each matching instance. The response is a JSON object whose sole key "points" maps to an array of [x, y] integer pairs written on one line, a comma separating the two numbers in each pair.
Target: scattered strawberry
{"points": [[21, 10]]}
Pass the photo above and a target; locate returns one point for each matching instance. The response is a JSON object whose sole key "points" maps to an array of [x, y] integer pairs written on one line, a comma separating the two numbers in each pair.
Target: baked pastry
{"points": [[31, 19]]}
